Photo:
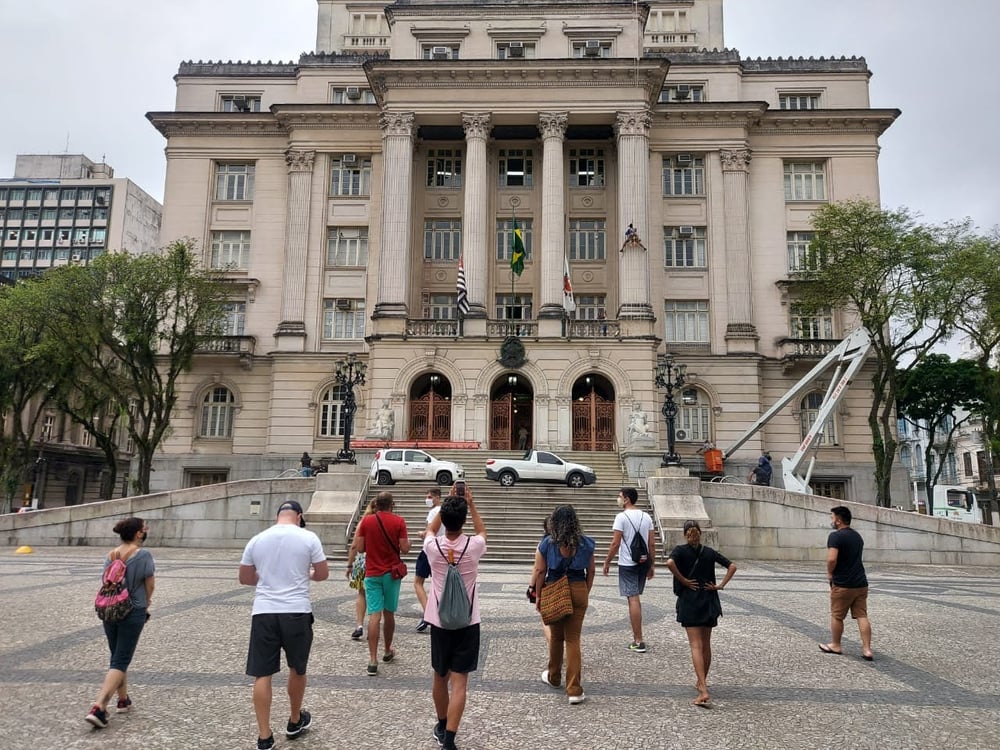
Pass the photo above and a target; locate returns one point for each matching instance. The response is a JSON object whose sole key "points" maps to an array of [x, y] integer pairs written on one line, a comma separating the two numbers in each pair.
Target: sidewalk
{"points": [[935, 681]]}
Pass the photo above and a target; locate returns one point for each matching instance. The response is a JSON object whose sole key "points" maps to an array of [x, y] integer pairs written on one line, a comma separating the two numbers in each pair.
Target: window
{"points": [[50, 195], [684, 247], [44, 253], [10, 253], [686, 321], [967, 463], [798, 252], [807, 416], [827, 488], [515, 165], [353, 95], [66, 215], [693, 417], [34, 194], [17, 195], [13, 235], [905, 456], [805, 181], [62, 237], [100, 214], [102, 196], [442, 239], [682, 92], [86, 195], [98, 236], [48, 234], [49, 214], [343, 319], [515, 50], [590, 307], [592, 48], [350, 175], [513, 307], [68, 195], [586, 239], [234, 182], [440, 306], [240, 103], [332, 418], [444, 168], [81, 236], [347, 246], [683, 174], [234, 319], [798, 101], [814, 325], [505, 238], [83, 214], [27, 253], [439, 52], [231, 250], [217, 412], [15, 214], [586, 167], [32, 234]]}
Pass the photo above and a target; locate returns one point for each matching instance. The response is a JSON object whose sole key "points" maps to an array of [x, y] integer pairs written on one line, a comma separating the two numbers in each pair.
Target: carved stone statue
{"points": [[385, 423], [638, 430]]}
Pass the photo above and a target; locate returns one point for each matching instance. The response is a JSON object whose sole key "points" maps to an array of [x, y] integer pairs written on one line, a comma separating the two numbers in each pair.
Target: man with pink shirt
{"points": [[454, 653]]}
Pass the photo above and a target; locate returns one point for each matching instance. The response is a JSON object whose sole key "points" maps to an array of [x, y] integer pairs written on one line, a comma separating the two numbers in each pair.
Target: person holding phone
{"points": [[422, 570]]}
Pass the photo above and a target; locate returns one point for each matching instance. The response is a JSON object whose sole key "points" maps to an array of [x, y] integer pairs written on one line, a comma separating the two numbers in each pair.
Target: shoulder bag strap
{"points": [[386, 534], [696, 559]]}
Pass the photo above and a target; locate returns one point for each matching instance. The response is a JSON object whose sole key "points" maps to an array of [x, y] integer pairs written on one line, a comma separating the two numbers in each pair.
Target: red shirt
{"points": [[379, 554]]}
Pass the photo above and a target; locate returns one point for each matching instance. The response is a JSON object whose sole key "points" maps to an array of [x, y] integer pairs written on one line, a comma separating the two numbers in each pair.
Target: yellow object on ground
{"points": [[23, 550]]}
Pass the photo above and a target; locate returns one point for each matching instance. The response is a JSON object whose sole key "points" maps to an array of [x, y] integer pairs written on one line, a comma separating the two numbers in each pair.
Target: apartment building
{"points": [[661, 187]]}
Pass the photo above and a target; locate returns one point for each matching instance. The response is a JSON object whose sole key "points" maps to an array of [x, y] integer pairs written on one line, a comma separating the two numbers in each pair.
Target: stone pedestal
{"points": [[333, 504], [675, 497]]}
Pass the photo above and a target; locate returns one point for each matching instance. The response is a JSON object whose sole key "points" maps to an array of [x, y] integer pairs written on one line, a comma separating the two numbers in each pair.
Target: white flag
{"points": [[569, 304]]}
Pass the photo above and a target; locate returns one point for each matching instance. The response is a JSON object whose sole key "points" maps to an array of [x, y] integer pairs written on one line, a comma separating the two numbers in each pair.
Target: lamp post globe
{"points": [[349, 373]]}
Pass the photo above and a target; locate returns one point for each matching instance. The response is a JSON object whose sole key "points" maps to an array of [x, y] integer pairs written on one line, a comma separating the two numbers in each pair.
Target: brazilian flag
{"points": [[517, 250]]}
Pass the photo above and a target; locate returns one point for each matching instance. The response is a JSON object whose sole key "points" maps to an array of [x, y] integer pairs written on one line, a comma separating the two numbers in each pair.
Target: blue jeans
{"points": [[123, 637]]}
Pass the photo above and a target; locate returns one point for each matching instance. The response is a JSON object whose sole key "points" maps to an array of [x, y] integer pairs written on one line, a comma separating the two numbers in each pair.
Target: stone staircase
{"points": [[514, 515]]}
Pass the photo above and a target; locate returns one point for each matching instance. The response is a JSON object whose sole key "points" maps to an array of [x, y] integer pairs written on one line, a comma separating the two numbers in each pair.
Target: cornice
{"points": [[826, 121], [384, 74], [327, 116], [710, 114], [230, 124]]}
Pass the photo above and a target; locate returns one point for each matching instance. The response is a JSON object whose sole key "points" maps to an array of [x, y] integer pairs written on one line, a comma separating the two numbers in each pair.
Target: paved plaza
{"points": [[935, 681]]}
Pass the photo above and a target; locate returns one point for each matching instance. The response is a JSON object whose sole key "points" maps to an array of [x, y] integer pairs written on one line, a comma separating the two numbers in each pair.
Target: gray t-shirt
{"points": [[138, 568]]}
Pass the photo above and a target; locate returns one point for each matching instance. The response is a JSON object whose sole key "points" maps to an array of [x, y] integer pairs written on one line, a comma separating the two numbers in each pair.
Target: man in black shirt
{"points": [[848, 583]]}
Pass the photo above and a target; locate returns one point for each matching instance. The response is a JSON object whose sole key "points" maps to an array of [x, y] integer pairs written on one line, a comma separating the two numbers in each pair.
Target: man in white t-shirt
{"points": [[632, 577], [422, 570], [280, 562]]}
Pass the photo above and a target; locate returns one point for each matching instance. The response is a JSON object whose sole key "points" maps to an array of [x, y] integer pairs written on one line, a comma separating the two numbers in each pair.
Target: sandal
{"points": [[389, 654]]}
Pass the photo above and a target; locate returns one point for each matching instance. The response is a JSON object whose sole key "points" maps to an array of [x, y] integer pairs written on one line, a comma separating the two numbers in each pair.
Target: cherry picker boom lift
{"points": [[846, 358]]}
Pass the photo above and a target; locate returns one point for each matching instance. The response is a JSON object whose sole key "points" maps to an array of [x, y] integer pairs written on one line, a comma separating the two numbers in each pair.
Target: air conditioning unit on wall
{"points": [[349, 159], [353, 93], [685, 231], [681, 435], [440, 53], [592, 48], [343, 304], [515, 49]]}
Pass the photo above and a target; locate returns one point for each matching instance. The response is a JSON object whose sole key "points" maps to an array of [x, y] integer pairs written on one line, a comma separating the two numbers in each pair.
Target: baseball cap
{"points": [[293, 505]]}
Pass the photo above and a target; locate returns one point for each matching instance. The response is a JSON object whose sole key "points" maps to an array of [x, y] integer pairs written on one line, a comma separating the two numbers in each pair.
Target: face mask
{"points": [[621, 501], [429, 501]]}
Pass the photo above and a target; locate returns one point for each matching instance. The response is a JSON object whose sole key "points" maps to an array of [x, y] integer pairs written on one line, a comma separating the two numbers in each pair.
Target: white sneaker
{"points": [[575, 699], [545, 679]]}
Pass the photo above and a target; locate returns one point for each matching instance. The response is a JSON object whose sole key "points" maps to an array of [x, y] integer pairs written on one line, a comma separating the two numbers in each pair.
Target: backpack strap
{"points": [[466, 547]]}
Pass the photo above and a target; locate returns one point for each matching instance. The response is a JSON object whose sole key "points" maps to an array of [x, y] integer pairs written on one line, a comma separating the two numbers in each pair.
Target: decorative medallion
{"points": [[587, 201], [440, 275], [512, 353], [443, 201], [515, 201], [587, 276]]}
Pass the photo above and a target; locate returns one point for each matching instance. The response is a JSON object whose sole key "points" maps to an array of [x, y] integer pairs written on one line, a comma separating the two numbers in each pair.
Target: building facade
{"points": [[663, 179], [57, 210]]}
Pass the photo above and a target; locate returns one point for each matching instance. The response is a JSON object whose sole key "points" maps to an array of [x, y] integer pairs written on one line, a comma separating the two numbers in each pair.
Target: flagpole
{"points": [[513, 236]]}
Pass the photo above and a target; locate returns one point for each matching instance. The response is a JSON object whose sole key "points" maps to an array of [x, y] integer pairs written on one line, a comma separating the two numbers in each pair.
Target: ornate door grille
{"points": [[593, 424]]}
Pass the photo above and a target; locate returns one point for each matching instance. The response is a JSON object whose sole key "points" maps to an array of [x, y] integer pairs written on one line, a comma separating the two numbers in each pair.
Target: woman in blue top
{"points": [[566, 551]]}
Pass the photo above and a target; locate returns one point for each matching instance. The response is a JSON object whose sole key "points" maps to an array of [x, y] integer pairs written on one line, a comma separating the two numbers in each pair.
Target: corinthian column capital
{"points": [[299, 160], [553, 124], [633, 123], [397, 123], [476, 124], [735, 159]]}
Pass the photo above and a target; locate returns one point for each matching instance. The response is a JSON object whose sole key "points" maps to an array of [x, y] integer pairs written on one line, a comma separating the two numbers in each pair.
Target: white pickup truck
{"points": [[538, 466]]}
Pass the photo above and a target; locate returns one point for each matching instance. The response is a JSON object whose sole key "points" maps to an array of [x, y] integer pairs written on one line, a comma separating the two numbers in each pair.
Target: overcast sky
{"points": [[82, 76]]}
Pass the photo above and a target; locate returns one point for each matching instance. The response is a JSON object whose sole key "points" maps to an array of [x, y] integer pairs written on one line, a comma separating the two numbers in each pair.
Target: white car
{"points": [[393, 465], [541, 466]]}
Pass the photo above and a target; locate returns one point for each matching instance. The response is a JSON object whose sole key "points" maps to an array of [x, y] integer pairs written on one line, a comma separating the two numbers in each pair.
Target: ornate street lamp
{"points": [[349, 373], [670, 376]]}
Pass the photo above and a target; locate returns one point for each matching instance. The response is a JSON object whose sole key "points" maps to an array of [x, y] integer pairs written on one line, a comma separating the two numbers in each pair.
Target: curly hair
{"points": [[564, 527]]}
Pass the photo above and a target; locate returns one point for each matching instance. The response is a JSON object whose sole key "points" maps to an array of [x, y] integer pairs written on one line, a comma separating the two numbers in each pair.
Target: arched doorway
{"points": [[511, 407], [430, 408], [593, 414]]}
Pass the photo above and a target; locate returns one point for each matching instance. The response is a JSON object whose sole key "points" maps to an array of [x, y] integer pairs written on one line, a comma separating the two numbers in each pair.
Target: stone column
{"points": [[553, 128], [736, 205], [292, 327], [397, 207], [475, 231], [632, 131]]}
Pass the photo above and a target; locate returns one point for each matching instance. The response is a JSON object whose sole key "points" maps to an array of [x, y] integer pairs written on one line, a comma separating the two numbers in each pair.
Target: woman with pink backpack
{"points": [[123, 632]]}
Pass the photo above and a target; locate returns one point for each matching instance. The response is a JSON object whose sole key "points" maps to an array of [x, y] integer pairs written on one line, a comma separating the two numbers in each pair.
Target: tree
{"points": [[930, 394], [28, 381], [889, 271], [131, 326]]}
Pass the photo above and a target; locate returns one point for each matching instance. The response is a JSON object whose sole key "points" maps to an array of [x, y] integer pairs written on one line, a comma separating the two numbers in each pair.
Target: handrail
{"points": [[362, 500]]}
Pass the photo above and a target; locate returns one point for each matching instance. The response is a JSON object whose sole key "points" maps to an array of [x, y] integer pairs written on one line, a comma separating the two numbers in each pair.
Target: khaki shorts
{"points": [[843, 599]]}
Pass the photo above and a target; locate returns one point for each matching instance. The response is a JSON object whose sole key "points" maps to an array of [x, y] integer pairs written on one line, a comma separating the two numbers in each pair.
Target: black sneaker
{"points": [[265, 744], [422, 626], [98, 717], [295, 728], [356, 635], [439, 735]]}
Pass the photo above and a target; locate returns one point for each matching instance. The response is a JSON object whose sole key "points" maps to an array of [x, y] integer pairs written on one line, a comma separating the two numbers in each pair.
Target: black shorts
{"points": [[423, 566], [270, 633], [455, 650]]}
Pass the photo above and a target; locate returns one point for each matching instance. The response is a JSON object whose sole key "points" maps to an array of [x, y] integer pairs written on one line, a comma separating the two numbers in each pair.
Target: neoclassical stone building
{"points": [[340, 194]]}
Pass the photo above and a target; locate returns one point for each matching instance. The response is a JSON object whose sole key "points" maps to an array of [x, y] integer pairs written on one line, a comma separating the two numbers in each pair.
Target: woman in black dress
{"points": [[698, 607]]}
